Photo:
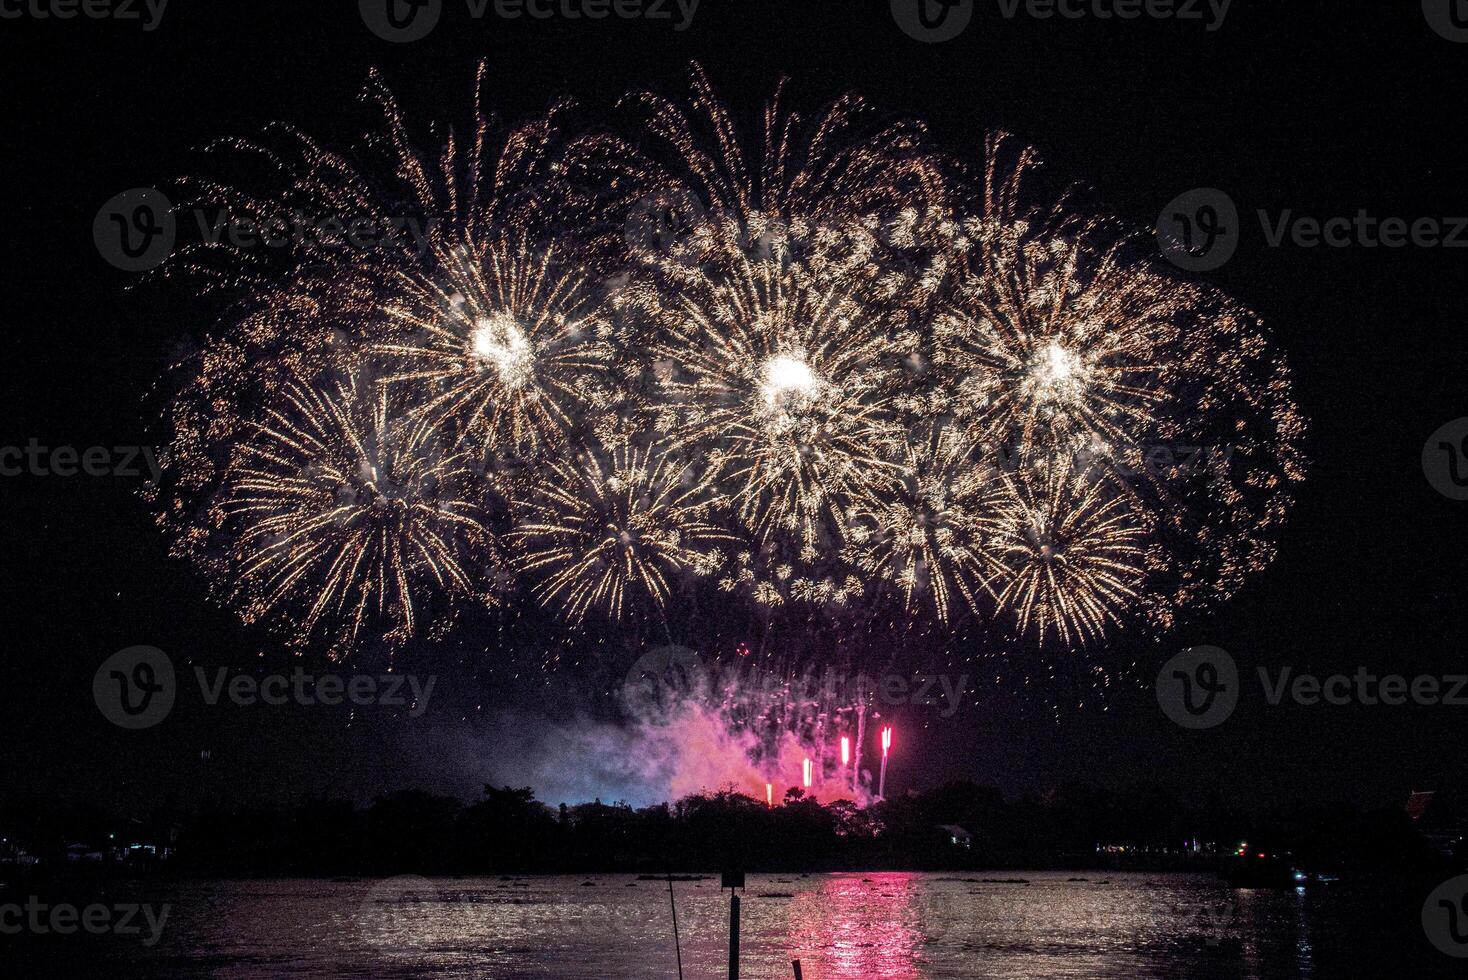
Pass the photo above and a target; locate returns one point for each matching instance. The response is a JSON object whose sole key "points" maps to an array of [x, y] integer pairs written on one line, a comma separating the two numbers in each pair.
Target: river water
{"points": [[875, 926]]}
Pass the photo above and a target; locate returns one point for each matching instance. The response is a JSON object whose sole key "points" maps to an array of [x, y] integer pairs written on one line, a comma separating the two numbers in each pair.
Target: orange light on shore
{"points": [[806, 766], [845, 751]]}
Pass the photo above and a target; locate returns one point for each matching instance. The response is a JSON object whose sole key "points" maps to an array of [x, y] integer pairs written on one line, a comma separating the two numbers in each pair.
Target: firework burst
{"points": [[1073, 552], [344, 512], [601, 533], [1061, 346], [934, 537], [784, 381], [891, 389], [509, 345], [316, 305]]}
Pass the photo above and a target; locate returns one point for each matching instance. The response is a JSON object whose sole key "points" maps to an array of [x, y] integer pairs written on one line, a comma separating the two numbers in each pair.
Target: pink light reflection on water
{"points": [[861, 927]]}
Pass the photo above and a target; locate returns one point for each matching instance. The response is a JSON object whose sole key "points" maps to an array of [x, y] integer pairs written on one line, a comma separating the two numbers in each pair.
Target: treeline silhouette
{"points": [[509, 831]]}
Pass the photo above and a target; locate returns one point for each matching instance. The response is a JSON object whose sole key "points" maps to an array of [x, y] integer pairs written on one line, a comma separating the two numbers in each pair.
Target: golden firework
{"points": [[508, 345], [1073, 552], [784, 382], [345, 511], [934, 537], [601, 532]]}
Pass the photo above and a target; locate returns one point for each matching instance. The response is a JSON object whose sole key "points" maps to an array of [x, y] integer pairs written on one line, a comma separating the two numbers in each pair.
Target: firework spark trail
{"points": [[848, 184], [600, 531], [342, 511], [1062, 347]]}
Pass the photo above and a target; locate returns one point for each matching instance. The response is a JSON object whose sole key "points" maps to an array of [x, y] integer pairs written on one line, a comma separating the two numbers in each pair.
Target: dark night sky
{"points": [[1321, 107]]}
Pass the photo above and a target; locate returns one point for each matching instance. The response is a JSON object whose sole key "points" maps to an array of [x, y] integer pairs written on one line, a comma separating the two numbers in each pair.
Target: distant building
{"points": [[1437, 823], [957, 835], [83, 854]]}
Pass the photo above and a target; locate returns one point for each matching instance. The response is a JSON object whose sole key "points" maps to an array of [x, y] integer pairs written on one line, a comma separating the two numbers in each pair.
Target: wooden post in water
{"points": [[733, 937], [798, 974], [677, 946], [733, 879]]}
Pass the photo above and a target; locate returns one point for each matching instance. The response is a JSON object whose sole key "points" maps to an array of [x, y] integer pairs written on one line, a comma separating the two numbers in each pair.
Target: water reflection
{"points": [[891, 926], [859, 926]]}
